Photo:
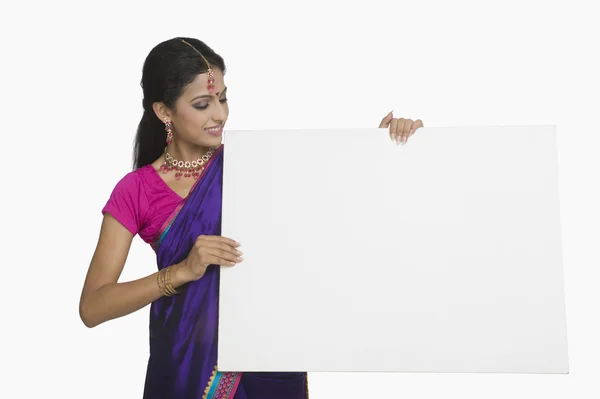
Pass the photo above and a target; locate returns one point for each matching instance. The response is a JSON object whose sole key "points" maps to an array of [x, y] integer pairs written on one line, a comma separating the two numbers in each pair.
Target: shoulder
{"points": [[134, 180], [127, 202]]}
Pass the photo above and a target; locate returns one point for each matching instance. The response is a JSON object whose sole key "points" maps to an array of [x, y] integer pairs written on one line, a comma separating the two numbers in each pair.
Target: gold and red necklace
{"points": [[186, 169]]}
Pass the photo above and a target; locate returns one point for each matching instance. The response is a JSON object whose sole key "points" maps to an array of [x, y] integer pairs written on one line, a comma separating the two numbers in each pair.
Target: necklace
{"points": [[186, 169]]}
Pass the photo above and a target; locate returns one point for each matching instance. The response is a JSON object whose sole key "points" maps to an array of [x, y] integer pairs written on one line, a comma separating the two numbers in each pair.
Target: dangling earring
{"points": [[169, 129]]}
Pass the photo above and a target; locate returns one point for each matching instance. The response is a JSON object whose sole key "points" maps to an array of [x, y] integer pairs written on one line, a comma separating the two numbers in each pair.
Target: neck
{"points": [[186, 152]]}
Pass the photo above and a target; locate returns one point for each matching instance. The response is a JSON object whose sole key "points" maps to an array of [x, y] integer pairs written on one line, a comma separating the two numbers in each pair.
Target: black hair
{"points": [[168, 69]]}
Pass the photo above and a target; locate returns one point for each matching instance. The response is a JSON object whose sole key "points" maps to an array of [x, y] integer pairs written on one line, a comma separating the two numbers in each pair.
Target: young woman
{"points": [[172, 199]]}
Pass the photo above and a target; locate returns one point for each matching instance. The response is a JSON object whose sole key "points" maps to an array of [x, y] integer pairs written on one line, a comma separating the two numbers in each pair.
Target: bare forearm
{"points": [[119, 299]]}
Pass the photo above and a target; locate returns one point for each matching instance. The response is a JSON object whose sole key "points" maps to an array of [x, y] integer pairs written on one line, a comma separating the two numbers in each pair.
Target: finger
{"points": [[416, 124], [221, 246], [225, 240], [405, 130], [215, 260], [398, 130], [385, 122], [224, 256], [412, 130], [393, 126]]}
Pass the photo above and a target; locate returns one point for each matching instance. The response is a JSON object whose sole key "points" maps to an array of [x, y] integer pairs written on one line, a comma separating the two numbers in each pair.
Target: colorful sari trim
{"points": [[222, 385]]}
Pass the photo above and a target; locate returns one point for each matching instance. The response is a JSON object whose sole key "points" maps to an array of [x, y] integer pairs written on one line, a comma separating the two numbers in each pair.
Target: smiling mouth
{"points": [[216, 130]]}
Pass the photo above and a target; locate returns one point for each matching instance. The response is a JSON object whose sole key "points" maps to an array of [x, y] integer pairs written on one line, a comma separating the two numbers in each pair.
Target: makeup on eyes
{"points": [[202, 107]]}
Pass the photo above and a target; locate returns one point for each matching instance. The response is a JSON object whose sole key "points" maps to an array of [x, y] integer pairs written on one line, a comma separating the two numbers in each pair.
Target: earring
{"points": [[169, 129]]}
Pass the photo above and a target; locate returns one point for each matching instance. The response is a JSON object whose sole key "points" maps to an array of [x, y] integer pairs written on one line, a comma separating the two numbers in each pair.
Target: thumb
{"points": [[385, 122]]}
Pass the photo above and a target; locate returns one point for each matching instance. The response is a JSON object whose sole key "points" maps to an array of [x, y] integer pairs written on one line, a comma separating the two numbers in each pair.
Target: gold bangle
{"points": [[164, 281], [168, 286], [160, 278]]}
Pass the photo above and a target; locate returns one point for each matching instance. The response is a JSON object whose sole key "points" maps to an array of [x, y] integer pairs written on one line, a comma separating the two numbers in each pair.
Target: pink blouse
{"points": [[142, 201]]}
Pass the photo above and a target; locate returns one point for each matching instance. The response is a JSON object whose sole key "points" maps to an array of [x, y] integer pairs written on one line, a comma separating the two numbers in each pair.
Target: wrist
{"points": [[180, 275]]}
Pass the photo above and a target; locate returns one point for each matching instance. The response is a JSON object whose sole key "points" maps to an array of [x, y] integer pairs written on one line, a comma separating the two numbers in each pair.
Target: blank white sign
{"points": [[443, 255]]}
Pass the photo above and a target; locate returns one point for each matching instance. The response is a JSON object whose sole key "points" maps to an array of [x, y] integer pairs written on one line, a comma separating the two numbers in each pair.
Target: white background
{"points": [[71, 102]]}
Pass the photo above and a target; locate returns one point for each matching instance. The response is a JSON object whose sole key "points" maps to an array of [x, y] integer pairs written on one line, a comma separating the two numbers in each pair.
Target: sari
{"points": [[184, 327]]}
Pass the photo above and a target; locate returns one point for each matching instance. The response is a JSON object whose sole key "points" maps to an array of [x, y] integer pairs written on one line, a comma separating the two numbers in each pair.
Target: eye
{"points": [[202, 107]]}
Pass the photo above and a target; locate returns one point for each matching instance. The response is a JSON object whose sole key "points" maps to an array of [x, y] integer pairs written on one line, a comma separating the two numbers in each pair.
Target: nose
{"points": [[221, 112]]}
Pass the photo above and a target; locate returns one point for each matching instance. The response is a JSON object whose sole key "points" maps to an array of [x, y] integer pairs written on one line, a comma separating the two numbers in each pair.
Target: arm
{"points": [[104, 299]]}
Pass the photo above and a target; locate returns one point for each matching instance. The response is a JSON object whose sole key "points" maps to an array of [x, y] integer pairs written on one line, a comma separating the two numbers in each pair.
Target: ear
{"points": [[161, 111]]}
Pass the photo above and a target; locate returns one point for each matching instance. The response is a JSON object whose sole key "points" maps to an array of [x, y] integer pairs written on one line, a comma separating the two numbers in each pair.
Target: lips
{"points": [[215, 131]]}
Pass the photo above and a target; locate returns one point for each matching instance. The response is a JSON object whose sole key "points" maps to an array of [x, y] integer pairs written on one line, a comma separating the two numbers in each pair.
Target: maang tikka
{"points": [[211, 76]]}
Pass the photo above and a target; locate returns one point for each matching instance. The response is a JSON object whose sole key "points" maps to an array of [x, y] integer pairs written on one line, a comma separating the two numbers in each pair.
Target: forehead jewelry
{"points": [[211, 76]]}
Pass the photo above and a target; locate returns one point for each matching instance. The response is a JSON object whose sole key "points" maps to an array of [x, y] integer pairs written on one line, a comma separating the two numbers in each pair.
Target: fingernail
{"points": [[239, 252], [240, 259], [398, 140]]}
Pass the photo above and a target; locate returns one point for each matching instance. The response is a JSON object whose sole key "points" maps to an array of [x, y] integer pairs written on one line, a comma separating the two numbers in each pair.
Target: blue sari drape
{"points": [[183, 328]]}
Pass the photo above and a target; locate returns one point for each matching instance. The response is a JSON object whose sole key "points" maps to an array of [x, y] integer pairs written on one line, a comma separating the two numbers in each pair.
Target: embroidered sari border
{"points": [[222, 385]]}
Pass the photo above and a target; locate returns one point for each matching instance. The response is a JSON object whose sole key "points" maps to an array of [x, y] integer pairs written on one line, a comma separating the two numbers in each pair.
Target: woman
{"points": [[172, 199]]}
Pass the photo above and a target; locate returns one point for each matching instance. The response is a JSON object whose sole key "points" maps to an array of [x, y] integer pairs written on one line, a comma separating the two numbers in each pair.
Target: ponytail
{"points": [[150, 140]]}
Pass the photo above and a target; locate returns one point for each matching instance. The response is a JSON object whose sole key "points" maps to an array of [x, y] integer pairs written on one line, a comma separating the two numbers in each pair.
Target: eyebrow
{"points": [[207, 95]]}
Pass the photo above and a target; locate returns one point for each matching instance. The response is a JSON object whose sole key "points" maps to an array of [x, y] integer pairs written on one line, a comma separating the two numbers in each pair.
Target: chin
{"points": [[210, 141]]}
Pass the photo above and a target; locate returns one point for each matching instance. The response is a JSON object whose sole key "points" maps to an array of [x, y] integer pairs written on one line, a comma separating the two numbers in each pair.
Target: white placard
{"points": [[443, 255]]}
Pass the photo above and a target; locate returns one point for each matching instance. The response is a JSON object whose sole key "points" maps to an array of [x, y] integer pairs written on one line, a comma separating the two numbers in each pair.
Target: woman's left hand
{"points": [[400, 129]]}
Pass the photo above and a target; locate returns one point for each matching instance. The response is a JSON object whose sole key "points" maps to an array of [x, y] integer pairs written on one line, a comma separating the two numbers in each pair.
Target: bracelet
{"points": [[159, 278], [169, 288], [163, 279]]}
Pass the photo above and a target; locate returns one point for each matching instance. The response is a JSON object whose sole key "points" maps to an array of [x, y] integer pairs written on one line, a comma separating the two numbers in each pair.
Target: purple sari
{"points": [[183, 328]]}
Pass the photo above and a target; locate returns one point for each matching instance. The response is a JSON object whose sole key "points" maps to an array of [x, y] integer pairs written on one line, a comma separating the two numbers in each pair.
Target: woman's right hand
{"points": [[210, 250]]}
